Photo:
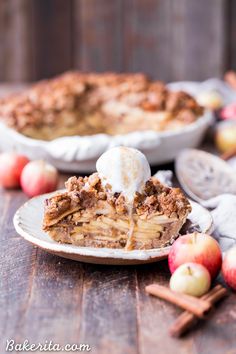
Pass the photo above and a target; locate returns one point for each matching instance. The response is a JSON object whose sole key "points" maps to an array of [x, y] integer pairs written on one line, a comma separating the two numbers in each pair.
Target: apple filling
{"points": [[89, 215]]}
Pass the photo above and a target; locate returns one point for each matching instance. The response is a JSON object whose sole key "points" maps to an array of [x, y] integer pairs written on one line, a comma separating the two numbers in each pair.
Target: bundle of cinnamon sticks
{"points": [[195, 308]]}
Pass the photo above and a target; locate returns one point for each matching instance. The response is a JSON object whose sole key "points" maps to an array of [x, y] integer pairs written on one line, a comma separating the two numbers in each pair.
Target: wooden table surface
{"points": [[44, 297]]}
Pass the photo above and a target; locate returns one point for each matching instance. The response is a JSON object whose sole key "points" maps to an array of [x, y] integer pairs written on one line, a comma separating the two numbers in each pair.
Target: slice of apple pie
{"points": [[120, 206]]}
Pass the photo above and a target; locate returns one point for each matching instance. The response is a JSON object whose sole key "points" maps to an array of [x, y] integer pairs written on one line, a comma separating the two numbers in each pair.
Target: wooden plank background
{"points": [[169, 39]]}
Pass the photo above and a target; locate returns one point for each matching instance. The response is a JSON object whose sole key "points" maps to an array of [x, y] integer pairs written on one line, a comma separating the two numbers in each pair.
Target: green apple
{"points": [[192, 279]]}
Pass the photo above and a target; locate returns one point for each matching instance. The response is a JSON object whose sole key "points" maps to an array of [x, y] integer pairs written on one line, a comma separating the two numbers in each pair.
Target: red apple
{"points": [[197, 248], [229, 112], [191, 278], [39, 177], [229, 267], [11, 166]]}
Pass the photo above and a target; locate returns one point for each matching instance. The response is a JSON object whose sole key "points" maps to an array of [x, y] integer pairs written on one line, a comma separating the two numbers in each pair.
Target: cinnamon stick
{"points": [[199, 307], [188, 319]]}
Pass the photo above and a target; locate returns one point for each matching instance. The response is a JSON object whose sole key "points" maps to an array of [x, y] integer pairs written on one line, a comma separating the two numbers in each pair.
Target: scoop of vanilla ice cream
{"points": [[125, 169]]}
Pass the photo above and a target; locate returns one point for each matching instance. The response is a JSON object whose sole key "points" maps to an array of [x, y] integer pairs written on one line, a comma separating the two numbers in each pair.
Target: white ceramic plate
{"points": [[28, 223], [80, 153]]}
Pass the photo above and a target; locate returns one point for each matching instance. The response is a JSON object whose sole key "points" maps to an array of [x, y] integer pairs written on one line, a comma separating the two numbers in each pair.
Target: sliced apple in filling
{"points": [[88, 215]]}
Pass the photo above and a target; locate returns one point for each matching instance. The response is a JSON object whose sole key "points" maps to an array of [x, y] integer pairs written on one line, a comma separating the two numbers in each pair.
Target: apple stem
{"points": [[194, 237], [189, 270]]}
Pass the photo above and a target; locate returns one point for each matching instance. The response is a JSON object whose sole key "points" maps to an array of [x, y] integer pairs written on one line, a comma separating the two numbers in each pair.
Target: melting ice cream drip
{"points": [[126, 170]]}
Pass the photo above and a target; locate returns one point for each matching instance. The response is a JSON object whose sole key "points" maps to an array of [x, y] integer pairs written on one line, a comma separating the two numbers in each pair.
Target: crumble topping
{"points": [[69, 98], [87, 192]]}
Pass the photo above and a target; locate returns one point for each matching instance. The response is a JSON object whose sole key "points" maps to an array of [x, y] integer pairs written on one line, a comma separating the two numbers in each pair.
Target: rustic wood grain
{"points": [[147, 27], [52, 37], [15, 40], [169, 40], [231, 35], [109, 321], [198, 39], [176, 40], [16, 265], [219, 331], [53, 307], [98, 36]]}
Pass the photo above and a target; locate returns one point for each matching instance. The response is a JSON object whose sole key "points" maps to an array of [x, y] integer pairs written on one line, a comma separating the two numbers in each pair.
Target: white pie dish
{"points": [[79, 153], [28, 223]]}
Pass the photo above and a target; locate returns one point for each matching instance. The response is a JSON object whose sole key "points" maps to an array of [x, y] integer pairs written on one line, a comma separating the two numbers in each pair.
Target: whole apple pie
{"points": [[85, 104], [120, 206]]}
